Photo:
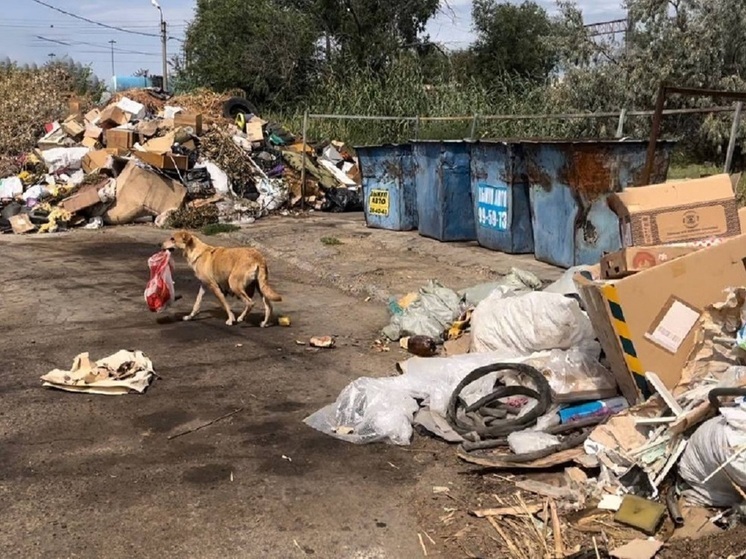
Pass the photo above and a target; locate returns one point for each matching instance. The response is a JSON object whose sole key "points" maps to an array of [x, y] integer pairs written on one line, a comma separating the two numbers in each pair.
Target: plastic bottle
{"points": [[590, 409]]}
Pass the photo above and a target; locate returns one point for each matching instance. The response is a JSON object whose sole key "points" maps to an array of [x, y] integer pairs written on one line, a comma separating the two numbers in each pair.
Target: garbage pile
{"points": [[632, 373], [145, 158]]}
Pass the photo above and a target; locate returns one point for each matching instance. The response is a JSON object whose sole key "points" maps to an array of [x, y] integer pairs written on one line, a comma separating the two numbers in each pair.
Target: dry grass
{"points": [[29, 98]]}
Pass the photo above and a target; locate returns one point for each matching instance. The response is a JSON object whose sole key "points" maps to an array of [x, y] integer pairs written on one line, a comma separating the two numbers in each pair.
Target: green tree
{"points": [[264, 47], [368, 33], [512, 39]]}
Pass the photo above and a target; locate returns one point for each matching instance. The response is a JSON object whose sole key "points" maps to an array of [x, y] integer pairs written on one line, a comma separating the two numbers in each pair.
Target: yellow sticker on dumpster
{"points": [[378, 202]]}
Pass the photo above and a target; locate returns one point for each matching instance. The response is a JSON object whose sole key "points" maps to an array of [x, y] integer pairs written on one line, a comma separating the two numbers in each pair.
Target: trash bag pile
{"points": [[187, 161]]}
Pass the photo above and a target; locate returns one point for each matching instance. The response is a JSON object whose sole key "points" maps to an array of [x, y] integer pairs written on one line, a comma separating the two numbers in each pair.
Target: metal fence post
{"points": [[417, 128], [303, 164], [473, 131], [620, 125], [733, 137]]}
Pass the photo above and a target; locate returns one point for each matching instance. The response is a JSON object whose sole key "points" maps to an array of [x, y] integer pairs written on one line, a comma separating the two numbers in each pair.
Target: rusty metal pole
{"points": [[733, 137], [654, 134], [303, 164]]}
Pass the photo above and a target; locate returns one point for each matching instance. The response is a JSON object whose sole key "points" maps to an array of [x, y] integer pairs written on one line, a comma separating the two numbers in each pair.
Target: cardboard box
{"points": [[99, 159], [629, 261], [86, 197], [166, 161], [142, 192], [93, 116], [189, 120], [93, 131], [677, 212], [90, 143], [73, 128], [113, 116], [742, 219], [162, 144], [647, 322], [119, 138]]}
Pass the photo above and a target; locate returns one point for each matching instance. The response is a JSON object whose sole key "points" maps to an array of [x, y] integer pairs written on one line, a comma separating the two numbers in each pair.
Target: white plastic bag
{"points": [[528, 323], [219, 178], [524, 442], [69, 159], [517, 281], [576, 375], [273, 194], [711, 446], [10, 187], [382, 409]]}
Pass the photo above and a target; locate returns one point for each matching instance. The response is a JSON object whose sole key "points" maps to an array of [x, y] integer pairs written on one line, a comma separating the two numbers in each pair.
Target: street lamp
{"points": [[164, 41]]}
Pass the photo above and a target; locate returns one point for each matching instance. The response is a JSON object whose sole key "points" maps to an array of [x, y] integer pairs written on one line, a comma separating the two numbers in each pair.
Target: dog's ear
{"points": [[188, 240]]}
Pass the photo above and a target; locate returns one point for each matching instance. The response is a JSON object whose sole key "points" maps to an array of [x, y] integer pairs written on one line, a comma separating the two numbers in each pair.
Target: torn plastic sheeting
{"points": [[382, 409], [59, 159], [527, 323], [517, 281], [430, 314], [525, 442], [273, 194], [10, 187], [565, 285], [719, 445]]}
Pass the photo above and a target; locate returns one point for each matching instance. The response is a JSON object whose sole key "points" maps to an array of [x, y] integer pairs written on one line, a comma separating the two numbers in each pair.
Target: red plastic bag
{"points": [[160, 289]]}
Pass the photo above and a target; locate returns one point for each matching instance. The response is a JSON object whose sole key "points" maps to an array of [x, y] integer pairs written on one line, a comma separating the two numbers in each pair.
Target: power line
{"points": [[40, 2], [73, 44]]}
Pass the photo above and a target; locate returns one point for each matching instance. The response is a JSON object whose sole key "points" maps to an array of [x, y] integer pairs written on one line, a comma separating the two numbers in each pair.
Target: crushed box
{"points": [[631, 260], [677, 212], [646, 322], [86, 197], [142, 192], [166, 161]]}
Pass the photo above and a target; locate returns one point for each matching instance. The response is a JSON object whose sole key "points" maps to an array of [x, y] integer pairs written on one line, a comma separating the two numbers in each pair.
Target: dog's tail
{"points": [[263, 281]]}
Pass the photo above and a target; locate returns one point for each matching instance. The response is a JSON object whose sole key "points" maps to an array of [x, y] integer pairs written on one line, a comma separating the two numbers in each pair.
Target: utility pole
{"points": [[112, 43], [164, 42]]}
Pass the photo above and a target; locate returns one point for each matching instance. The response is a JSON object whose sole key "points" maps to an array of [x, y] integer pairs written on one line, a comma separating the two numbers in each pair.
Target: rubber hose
{"points": [[717, 393], [504, 427]]}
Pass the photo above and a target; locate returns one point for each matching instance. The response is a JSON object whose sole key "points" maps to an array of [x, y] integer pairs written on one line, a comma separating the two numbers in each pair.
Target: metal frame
{"points": [[663, 91]]}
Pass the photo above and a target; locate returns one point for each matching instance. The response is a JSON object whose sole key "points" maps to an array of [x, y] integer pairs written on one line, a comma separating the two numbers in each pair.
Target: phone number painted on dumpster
{"points": [[492, 206], [378, 202]]}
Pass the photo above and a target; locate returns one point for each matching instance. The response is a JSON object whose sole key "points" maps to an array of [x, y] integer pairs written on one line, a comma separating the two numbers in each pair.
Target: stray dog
{"points": [[225, 271]]}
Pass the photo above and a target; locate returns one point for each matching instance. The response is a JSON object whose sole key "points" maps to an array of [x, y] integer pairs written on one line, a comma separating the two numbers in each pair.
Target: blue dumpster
{"points": [[445, 210], [569, 184], [500, 191], [390, 200]]}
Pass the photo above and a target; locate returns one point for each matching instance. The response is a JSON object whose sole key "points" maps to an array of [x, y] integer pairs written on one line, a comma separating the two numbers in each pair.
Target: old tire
{"points": [[236, 105]]}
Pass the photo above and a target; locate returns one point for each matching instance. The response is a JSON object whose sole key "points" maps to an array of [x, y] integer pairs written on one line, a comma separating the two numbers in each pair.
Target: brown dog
{"points": [[226, 270]]}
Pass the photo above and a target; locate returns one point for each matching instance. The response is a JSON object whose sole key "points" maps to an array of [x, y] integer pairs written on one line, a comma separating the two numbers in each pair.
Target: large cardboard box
{"points": [[86, 197], [628, 261], [646, 322], [112, 116], [164, 161], [677, 212], [119, 138], [142, 192]]}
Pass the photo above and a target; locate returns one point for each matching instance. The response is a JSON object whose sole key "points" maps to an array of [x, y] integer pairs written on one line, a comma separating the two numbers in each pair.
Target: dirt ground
{"points": [[95, 476]]}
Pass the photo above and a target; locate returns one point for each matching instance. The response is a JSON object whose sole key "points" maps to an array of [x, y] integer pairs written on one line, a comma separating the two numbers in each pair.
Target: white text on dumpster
{"points": [[492, 207]]}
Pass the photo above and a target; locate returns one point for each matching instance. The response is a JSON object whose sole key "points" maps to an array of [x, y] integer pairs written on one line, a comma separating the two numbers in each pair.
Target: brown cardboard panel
{"points": [[647, 321], [677, 212], [628, 261], [84, 198], [143, 192], [113, 116]]}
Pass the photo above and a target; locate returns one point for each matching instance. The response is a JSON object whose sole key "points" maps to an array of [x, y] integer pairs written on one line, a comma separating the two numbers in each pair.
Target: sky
{"points": [[30, 32]]}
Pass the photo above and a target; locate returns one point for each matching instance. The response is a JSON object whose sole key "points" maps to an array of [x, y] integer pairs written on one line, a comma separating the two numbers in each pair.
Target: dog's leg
{"points": [[237, 287], [219, 294], [197, 304], [267, 312]]}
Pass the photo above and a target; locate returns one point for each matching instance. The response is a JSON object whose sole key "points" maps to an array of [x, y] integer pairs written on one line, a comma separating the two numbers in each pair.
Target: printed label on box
{"points": [[674, 326], [492, 207], [378, 202]]}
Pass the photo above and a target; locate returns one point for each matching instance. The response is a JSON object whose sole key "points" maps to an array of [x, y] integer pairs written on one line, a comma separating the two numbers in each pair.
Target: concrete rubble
{"points": [[144, 158]]}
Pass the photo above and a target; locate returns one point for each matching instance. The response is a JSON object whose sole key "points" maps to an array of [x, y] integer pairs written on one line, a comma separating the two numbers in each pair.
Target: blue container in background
{"points": [[124, 83], [389, 195], [570, 182], [500, 191], [445, 208]]}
